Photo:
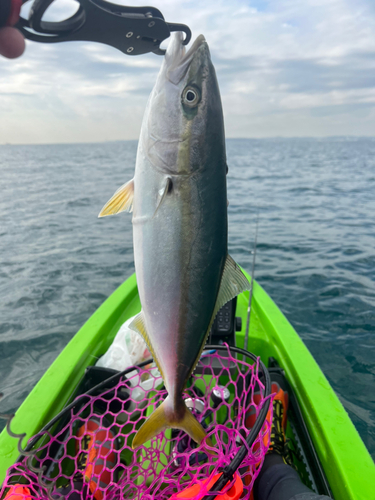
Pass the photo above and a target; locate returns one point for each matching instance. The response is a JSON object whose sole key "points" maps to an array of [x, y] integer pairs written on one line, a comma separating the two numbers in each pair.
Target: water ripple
{"points": [[315, 256]]}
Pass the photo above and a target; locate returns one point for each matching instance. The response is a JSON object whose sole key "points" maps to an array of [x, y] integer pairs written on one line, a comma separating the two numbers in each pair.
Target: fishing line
{"points": [[251, 286]]}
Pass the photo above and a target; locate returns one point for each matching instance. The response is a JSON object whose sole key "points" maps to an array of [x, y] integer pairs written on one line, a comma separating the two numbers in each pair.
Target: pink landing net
{"points": [[87, 454]]}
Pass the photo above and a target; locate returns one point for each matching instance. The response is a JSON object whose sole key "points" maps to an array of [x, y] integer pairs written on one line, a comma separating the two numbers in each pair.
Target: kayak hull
{"points": [[345, 460]]}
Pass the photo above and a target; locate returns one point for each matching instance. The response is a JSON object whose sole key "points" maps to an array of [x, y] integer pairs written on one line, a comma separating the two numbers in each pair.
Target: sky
{"points": [[286, 68]]}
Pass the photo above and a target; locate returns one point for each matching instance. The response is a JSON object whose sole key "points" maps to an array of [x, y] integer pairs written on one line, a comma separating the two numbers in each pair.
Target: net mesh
{"points": [[87, 453]]}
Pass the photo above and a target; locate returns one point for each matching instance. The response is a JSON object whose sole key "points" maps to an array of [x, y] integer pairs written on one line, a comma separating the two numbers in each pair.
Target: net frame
{"points": [[249, 454]]}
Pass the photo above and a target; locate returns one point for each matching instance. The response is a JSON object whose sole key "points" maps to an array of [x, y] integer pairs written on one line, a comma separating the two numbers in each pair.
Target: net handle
{"points": [[229, 471]]}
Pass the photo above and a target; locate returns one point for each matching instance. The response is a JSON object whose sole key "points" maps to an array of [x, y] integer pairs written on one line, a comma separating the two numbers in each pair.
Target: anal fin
{"points": [[138, 325]]}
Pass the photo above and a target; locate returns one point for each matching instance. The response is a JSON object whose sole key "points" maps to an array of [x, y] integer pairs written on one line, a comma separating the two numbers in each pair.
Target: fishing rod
{"points": [[132, 30], [251, 286]]}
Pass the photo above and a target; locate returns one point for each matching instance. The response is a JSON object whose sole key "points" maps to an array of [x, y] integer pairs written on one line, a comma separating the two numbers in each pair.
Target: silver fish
{"points": [[179, 201]]}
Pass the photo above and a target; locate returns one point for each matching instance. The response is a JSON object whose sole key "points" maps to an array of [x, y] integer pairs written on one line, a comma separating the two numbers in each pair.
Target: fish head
{"points": [[184, 118]]}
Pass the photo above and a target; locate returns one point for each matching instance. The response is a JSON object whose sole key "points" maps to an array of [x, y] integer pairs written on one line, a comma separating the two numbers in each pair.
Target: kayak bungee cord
{"points": [[30, 454]]}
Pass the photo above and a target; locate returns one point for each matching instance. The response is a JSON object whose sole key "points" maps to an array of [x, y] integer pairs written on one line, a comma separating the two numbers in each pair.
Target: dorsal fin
{"points": [[233, 282]]}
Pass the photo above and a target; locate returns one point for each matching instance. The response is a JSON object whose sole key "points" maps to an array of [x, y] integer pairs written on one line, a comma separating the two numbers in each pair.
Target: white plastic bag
{"points": [[128, 348]]}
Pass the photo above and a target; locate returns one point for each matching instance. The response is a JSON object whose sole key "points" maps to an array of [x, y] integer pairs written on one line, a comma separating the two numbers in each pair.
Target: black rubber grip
{"points": [[133, 30], [5, 6]]}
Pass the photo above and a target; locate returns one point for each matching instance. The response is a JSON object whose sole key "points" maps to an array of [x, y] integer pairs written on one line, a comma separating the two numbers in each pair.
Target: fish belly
{"points": [[179, 256]]}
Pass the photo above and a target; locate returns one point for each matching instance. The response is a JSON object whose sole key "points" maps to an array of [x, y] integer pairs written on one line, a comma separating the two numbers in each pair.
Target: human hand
{"points": [[12, 43]]}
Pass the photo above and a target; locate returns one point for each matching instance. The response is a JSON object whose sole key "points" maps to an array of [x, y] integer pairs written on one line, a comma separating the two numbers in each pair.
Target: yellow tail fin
{"points": [[158, 422]]}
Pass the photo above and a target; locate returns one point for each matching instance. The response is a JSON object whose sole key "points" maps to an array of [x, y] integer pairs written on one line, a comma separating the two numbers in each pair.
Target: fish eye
{"points": [[190, 97]]}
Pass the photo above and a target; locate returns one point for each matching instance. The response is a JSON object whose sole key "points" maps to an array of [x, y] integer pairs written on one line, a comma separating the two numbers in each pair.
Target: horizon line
{"points": [[276, 137]]}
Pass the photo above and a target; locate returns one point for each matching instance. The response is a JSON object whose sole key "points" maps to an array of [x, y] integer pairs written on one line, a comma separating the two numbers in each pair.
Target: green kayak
{"points": [[333, 457]]}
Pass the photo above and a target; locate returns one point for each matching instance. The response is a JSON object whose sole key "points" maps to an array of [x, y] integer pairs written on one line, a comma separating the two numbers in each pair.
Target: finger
{"points": [[12, 43]]}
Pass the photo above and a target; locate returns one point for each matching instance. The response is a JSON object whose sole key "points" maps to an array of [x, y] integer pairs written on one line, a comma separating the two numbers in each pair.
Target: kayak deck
{"points": [[347, 464]]}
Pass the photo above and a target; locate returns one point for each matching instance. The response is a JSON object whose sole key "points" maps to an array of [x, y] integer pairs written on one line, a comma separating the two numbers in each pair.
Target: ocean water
{"points": [[315, 252]]}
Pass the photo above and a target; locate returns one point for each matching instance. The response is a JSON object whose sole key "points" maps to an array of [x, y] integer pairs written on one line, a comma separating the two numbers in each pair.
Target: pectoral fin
{"points": [[163, 193], [121, 201]]}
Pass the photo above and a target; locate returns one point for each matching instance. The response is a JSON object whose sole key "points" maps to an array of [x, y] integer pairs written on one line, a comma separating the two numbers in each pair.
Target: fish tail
{"points": [[163, 418]]}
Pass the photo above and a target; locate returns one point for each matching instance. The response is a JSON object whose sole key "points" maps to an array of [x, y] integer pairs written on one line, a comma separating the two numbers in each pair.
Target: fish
{"points": [[178, 197]]}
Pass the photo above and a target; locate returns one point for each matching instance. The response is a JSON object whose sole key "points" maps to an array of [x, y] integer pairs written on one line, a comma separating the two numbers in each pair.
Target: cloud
{"points": [[285, 67]]}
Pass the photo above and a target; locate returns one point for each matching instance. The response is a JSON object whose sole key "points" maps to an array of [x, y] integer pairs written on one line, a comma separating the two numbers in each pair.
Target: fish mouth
{"points": [[198, 42], [177, 59]]}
